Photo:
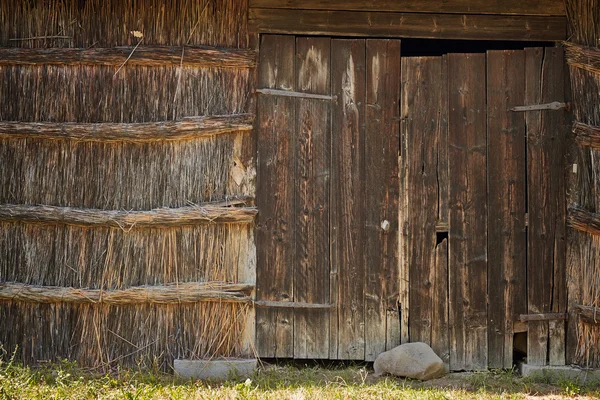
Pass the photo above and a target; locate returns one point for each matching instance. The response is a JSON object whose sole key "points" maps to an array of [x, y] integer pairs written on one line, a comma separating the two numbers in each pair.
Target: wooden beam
{"points": [[300, 95], [185, 292], [583, 220], [391, 24], [218, 212], [543, 317], [587, 135], [506, 7], [149, 56], [184, 129], [292, 304]]}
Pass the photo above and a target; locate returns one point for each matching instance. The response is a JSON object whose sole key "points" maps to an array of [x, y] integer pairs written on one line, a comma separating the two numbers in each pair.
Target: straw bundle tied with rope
{"points": [[583, 57], [116, 290]]}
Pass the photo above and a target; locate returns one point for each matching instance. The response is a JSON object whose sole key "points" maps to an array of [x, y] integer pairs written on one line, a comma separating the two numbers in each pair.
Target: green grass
{"points": [[65, 380]]}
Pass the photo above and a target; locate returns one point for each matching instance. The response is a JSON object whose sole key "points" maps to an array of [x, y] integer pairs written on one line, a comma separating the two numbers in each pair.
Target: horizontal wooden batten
{"points": [[586, 135], [301, 95], [587, 58], [218, 212], [393, 24], [292, 304], [583, 220], [184, 129], [152, 56], [189, 292], [506, 7], [543, 317]]}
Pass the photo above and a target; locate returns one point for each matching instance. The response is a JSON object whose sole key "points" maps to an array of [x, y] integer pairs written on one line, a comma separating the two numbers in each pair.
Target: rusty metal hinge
{"points": [[556, 105]]}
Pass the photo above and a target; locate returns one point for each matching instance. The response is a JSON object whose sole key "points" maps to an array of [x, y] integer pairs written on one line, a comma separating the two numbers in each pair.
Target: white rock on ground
{"points": [[411, 360]]}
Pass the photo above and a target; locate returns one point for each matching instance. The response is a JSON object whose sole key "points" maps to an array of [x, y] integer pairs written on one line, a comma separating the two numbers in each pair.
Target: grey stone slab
{"points": [[215, 369]]}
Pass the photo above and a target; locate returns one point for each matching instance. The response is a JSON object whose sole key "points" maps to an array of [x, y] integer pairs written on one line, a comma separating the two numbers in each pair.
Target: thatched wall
{"points": [[128, 175], [584, 248]]}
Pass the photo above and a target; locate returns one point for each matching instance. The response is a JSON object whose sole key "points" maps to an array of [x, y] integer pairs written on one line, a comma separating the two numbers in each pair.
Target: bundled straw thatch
{"points": [[111, 258], [99, 191], [135, 94], [148, 335], [584, 248], [115, 176], [102, 23]]}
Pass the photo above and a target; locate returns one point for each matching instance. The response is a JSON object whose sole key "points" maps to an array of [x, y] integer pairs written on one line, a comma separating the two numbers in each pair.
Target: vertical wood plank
{"points": [[546, 146], [422, 130], [468, 208], [347, 183], [440, 342], [381, 191], [311, 183], [275, 198], [507, 238]]}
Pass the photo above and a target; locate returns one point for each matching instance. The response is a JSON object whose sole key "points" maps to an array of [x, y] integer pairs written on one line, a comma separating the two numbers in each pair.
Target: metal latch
{"points": [[556, 105]]}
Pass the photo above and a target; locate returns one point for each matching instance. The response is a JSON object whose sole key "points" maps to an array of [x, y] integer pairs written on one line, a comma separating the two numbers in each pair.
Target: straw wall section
{"points": [[126, 176], [583, 248]]}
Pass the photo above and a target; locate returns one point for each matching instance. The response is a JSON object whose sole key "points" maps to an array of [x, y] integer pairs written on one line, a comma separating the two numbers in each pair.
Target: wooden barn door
{"points": [[482, 206], [328, 142]]}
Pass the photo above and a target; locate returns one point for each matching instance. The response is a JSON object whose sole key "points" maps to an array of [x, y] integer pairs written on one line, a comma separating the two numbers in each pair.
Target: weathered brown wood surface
{"points": [[507, 237], [184, 129], [393, 24], [312, 151], [275, 194], [381, 195], [149, 56], [207, 213], [347, 198], [508, 7], [468, 208], [546, 252], [424, 138]]}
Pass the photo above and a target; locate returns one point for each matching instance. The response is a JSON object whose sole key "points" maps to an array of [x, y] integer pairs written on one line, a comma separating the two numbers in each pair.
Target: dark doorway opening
{"points": [[438, 47]]}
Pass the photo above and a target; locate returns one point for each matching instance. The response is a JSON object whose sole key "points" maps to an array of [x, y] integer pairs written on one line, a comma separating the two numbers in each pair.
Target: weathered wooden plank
{"points": [[546, 252], [292, 304], [468, 208], [507, 237], [149, 56], [443, 178], [311, 182], [217, 212], [381, 191], [507, 7], [184, 129], [440, 342], [422, 100], [390, 24], [543, 317], [275, 232], [347, 198]]}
